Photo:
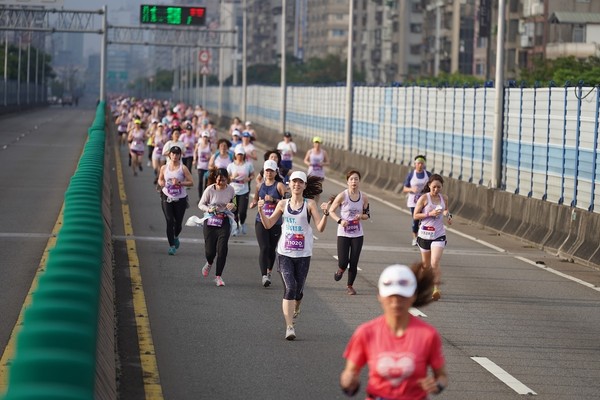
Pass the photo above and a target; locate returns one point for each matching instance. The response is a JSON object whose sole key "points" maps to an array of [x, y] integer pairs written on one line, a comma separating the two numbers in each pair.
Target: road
{"points": [[509, 312]]}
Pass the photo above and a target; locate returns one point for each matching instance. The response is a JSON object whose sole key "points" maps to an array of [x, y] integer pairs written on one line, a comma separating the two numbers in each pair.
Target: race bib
{"points": [[427, 232], [216, 220], [204, 157], [317, 167], [268, 209], [352, 227], [294, 241], [174, 190]]}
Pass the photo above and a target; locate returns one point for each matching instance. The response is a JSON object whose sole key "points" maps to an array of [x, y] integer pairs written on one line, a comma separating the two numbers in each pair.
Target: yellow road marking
{"points": [[9, 350], [151, 378]]}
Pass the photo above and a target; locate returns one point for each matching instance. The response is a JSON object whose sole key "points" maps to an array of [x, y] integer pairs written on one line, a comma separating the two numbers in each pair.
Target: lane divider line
{"points": [[504, 376], [151, 377], [9, 350], [571, 278]]}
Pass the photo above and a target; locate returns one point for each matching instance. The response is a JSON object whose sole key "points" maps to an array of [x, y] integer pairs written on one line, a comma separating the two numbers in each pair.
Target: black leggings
{"points": [[174, 212], [349, 252], [241, 212], [216, 244], [267, 243], [294, 271]]}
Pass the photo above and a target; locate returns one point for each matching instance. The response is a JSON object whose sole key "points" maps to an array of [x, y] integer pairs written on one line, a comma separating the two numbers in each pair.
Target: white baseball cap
{"points": [[298, 175], [205, 134], [236, 133], [270, 164], [239, 149], [397, 280]]}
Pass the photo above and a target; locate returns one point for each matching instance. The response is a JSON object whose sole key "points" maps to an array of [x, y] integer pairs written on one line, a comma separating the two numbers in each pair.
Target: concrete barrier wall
{"points": [[568, 232]]}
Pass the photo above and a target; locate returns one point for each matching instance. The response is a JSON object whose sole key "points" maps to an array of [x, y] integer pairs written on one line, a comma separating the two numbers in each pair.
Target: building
{"points": [[448, 36]]}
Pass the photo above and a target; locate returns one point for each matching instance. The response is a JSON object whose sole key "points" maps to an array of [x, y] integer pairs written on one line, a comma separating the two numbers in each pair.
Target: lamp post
{"points": [[349, 87], [244, 56], [499, 105], [283, 66]]}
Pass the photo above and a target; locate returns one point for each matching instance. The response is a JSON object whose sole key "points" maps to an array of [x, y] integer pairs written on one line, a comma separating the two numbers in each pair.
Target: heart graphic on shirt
{"points": [[395, 367]]}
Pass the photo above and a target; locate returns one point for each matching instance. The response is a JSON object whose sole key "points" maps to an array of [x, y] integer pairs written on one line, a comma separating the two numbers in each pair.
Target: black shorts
{"points": [[425, 244]]}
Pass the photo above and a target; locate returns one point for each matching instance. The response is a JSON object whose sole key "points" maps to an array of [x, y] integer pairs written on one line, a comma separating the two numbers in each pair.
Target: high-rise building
{"points": [[448, 34]]}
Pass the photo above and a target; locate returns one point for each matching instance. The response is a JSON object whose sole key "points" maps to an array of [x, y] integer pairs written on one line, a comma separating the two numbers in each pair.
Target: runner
{"points": [[202, 154], [240, 173], [354, 207], [174, 178], [136, 139], [288, 149], [271, 192], [296, 243], [413, 185], [217, 203]]}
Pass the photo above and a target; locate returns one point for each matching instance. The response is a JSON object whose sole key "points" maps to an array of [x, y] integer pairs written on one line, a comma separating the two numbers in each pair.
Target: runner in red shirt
{"points": [[398, 347]]}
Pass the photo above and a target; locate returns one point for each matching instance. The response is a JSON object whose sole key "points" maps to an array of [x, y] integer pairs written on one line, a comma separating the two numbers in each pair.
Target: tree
{"points": [[564, 69], [44, 61]]}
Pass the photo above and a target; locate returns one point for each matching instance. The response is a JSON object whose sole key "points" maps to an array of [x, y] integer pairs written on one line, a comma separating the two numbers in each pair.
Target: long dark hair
{"points": [[425, 283], [216, 172], [433, 177], [314, 187]]}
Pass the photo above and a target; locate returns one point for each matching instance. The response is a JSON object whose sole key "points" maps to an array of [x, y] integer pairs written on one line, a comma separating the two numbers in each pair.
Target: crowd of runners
{"points": [[178, 142]]}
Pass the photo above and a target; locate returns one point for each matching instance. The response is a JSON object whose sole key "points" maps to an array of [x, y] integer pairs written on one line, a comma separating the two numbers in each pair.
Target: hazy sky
{"points": [[91, 42]]}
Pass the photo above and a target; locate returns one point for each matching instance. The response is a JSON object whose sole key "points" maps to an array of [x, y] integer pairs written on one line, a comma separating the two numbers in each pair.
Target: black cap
{"points": [[175, 149], [287, 133]]}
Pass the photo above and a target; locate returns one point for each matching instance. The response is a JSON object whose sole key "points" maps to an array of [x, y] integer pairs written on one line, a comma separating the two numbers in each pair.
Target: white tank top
{"points": [[203, 155], [296, 233], [174, 191], [351, 211], [432, 227], [316, 164], [221, 162]]}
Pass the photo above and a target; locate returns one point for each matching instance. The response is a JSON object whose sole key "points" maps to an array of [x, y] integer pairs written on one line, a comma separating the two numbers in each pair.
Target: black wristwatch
{"points": [[440, 387], [326, 213], [339, 221]]}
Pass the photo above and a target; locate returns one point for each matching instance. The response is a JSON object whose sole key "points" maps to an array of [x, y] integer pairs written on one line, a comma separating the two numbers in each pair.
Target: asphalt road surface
{"points": [[514, 319]]}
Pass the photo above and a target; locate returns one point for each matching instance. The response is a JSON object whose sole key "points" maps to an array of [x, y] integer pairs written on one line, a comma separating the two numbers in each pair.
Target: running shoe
{"points": [[148, 164], [244, 229], [269, 275], [141, 169], [266, 282], [235, 231], [219, 281], [290, 333], [414, 242], [436, 294], [351, 291], [338, 275], [177, 243], [206, 269], [172, 250]]}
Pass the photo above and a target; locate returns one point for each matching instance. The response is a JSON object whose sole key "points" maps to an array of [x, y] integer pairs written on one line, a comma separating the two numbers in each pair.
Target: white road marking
{"points": [[417, 313], [358, 268], [504, 376], [484, 243], [571, 278]]}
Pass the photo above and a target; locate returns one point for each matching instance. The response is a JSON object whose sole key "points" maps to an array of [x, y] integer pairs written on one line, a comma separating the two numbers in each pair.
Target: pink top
{"points": [[396, 363]]}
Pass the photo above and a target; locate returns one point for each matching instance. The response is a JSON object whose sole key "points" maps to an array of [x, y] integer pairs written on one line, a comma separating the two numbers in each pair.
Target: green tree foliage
{"points": [[163, 80], [455, 79], [315, 71], [564, 69], [13, 63]]}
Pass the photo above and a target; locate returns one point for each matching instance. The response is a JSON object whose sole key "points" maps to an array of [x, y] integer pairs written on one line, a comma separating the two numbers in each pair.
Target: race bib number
{"points": [[427, 232], [352, 227], [216, 220], [204, 157], [317, 167], [294, 241], [286, 156], [268, 209], [174, 190]]}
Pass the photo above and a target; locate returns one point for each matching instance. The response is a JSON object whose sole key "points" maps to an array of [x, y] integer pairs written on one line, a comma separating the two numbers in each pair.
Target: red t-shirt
{"points": [[396, 364]]}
